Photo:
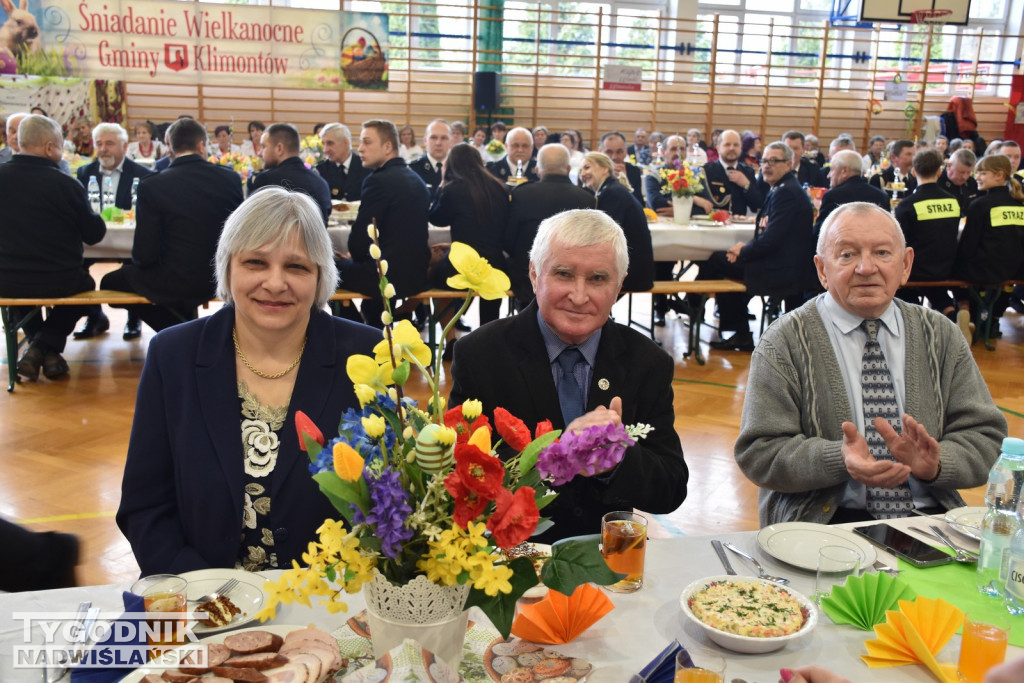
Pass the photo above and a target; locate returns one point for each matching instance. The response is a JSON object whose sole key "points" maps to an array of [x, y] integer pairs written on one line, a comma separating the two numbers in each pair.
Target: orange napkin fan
{"points": [[915, 634], [557, 619]]}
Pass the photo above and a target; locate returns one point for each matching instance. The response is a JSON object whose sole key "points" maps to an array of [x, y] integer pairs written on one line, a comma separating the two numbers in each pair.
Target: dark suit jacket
{"points": [[182, 492], [727, 195], [505, 363], [933, 237], [809, 173], [129, 172], [854, 189], [292, 174], [398, 199], [886, 177], [656, 199], [499, 169], [46, 218], [162, 164], [965, 194], [636, 180], [531, 204], [181, 213], [780, 258], [430, 174], [615, 200], [346, 186]]}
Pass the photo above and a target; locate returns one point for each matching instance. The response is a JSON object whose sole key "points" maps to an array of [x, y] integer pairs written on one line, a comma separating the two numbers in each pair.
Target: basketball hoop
{"points": [[929, 16]]}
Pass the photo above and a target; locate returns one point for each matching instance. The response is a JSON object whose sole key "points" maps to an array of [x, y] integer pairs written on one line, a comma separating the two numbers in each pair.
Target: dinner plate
{"points": [[248, 595], [797, 543], [142, 671], [966, 515], [706, 223]]}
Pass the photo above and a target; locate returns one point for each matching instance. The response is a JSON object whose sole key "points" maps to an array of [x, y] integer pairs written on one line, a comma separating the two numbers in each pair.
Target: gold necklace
{"points": [[276, 375]]}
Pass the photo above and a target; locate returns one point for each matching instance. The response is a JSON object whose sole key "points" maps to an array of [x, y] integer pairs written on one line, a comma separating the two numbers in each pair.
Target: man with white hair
{"points": [[110, 141], [342, 169], [11, 132], [47, 219], [531, 204], [848, 184], [565, 360], [842, 142], [518, 154], [860, 406]]}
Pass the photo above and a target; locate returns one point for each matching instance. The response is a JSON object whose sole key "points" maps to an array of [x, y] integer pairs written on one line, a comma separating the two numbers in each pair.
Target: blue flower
{"points": [[389, 508]]}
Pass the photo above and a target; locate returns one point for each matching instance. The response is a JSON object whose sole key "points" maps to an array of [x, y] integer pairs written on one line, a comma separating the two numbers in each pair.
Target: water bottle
{"points": [[1014, 595], [108, 191], [1000, 523], [135, 194], [94, 194]]}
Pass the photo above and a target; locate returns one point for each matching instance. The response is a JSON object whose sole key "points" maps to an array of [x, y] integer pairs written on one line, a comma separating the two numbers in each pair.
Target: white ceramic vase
{"points": [[682, 207], [433, 615]]}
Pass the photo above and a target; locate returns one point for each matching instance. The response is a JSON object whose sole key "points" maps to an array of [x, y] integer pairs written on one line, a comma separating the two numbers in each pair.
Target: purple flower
{"points": [[389, 508], [593, 450]]}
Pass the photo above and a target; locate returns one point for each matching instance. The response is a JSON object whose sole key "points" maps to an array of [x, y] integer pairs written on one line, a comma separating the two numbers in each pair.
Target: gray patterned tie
{"points": [[879, 397]]}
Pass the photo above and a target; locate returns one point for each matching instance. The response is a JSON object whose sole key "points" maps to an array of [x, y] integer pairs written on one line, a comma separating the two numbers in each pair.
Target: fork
{"points": [[228, 586]]}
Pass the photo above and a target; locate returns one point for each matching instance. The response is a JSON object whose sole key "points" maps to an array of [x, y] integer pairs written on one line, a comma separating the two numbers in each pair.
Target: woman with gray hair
{"points": [[215, 474]]}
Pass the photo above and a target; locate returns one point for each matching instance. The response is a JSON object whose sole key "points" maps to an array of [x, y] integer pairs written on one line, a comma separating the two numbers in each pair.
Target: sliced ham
{"points": [[243, 675], [292, 672], [251, 642], [329, 655], [214, 679], [312, 663], [259, 661]]}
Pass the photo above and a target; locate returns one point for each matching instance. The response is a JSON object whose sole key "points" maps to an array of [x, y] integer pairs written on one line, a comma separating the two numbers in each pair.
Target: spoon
{"points": [[761, 573], [965, 556]]}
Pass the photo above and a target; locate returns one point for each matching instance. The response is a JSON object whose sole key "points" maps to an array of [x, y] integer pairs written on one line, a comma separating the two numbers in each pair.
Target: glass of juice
{"points": [[165, 598], [623, 543], [699, 667], [982, 646]]}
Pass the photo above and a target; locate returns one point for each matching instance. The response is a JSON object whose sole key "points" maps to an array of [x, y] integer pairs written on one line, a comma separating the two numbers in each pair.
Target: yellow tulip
{"points": [[365, 394], [407, 340], [475, 273], [347, 463], [374, 425], [481, 438], [471, 409]]}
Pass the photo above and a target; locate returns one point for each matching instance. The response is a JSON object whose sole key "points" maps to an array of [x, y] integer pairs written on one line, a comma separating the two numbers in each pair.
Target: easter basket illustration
{"points": [[362, 64]]}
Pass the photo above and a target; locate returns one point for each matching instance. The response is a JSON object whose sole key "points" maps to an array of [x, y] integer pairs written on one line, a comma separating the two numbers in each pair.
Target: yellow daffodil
{"points": [[365, 370], [374, 425], [347, 463], [474, 272], [406, 338], [471, 409], [365, 394], [481, 438]]}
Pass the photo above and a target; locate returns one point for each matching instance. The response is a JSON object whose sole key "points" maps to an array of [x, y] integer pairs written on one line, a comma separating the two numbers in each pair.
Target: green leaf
{"points": [[501, 609], [401, 373], [574, 563], [544, 501], [337, 489], [528, 458], [313, 448], [532, 480]]}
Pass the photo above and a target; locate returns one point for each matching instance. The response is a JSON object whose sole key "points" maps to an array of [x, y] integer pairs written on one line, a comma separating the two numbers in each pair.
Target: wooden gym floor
{"points": [[63, 443]]}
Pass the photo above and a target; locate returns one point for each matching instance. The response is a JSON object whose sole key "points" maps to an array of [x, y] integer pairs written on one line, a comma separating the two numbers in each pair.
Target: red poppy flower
{"points": [[513, 430], [543, 428], [468, 503], [303, 425], [480, 472], [463, 430], [515, 517]]}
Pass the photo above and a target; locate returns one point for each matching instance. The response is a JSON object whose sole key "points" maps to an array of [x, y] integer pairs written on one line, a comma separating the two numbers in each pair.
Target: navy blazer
{"points": [[780, 258], [505, 363], [182, 492], [430, 174], [345, 185], [129, 172], [292, 174], [615, 200], [727, 195]]}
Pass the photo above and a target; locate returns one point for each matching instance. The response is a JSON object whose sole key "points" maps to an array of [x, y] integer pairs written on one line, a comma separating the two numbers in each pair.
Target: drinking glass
{"points": [[699, 666], [623, 543], [835, 563], [982, 645], [163, 595]]}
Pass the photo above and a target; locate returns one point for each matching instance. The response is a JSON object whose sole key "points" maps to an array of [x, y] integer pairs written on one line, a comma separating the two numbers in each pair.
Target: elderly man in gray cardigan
{"points": [[825, 436]]}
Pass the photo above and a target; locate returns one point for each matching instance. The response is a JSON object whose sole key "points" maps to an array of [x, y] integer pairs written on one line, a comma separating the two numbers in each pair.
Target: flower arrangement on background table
{"points": [[312, 150], [239, 163], [681, 181], [422, 491], [495, 149]]}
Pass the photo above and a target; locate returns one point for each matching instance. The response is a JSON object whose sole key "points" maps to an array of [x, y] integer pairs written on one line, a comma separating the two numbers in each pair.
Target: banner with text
{"points": [[209, 44]]}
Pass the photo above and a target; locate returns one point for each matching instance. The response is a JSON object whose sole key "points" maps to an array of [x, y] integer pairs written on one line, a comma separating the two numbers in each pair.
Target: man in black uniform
{"points": [[613, 144], [342, 169], [958, 178], [729, 183], [428, 167], [519, 152], [901, 158], [283, 167], [930, 219]]}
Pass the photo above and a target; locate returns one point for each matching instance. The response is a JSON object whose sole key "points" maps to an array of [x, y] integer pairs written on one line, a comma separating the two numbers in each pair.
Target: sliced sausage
{"points": [[259, 661], [251, 642], [244, 675], [175, 676], [216, 654]]}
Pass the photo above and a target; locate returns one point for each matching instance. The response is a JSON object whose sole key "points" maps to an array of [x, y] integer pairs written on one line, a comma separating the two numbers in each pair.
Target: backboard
{"points": [[900, 11]]}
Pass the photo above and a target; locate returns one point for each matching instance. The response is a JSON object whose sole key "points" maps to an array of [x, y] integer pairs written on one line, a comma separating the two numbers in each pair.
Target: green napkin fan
{"points": [[863, 600]]}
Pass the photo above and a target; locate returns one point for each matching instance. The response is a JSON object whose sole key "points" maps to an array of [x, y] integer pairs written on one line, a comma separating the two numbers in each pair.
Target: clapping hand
{"points": [[865, 468]]}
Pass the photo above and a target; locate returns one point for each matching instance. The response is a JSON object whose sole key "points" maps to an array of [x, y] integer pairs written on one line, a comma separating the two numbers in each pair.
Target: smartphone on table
{"points": [[903, 545]]}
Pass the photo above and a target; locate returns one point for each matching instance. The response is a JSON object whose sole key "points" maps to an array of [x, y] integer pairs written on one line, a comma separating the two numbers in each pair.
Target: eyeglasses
{"points": [[772, 162]]}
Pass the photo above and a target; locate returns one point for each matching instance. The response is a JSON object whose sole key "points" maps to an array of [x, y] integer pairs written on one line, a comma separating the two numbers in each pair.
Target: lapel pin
{"points": [[603, 384]]}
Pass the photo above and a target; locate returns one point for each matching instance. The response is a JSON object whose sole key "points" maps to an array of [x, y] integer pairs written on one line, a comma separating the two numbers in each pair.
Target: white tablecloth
{"points": [[671, 242], [639, 627]]}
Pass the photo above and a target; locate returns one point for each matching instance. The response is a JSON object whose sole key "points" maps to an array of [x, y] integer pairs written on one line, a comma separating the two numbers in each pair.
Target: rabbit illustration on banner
{"points": [[20, 33]]}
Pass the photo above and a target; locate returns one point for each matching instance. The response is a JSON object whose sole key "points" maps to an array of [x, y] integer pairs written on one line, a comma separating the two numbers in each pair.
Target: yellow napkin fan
{"points": [[915, 634], [557, 619]]}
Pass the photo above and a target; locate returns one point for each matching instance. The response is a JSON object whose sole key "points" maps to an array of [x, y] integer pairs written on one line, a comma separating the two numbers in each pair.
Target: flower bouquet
{"points": [[242, 165], [680, 181], [420, 489], [311, 151], [495, 149]]}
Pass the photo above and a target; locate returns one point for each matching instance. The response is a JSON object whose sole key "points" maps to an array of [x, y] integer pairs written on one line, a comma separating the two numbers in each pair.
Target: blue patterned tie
{"points": [[570, 397], [879, 397]]}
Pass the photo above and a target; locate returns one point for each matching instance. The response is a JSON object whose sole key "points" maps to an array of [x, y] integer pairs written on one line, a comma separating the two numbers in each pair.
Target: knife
{"points": [[717, 545]]}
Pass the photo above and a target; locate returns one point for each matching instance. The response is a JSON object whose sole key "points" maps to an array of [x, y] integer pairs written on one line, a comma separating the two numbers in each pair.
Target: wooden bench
{"points": [[703, 289], [984, 298]]}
